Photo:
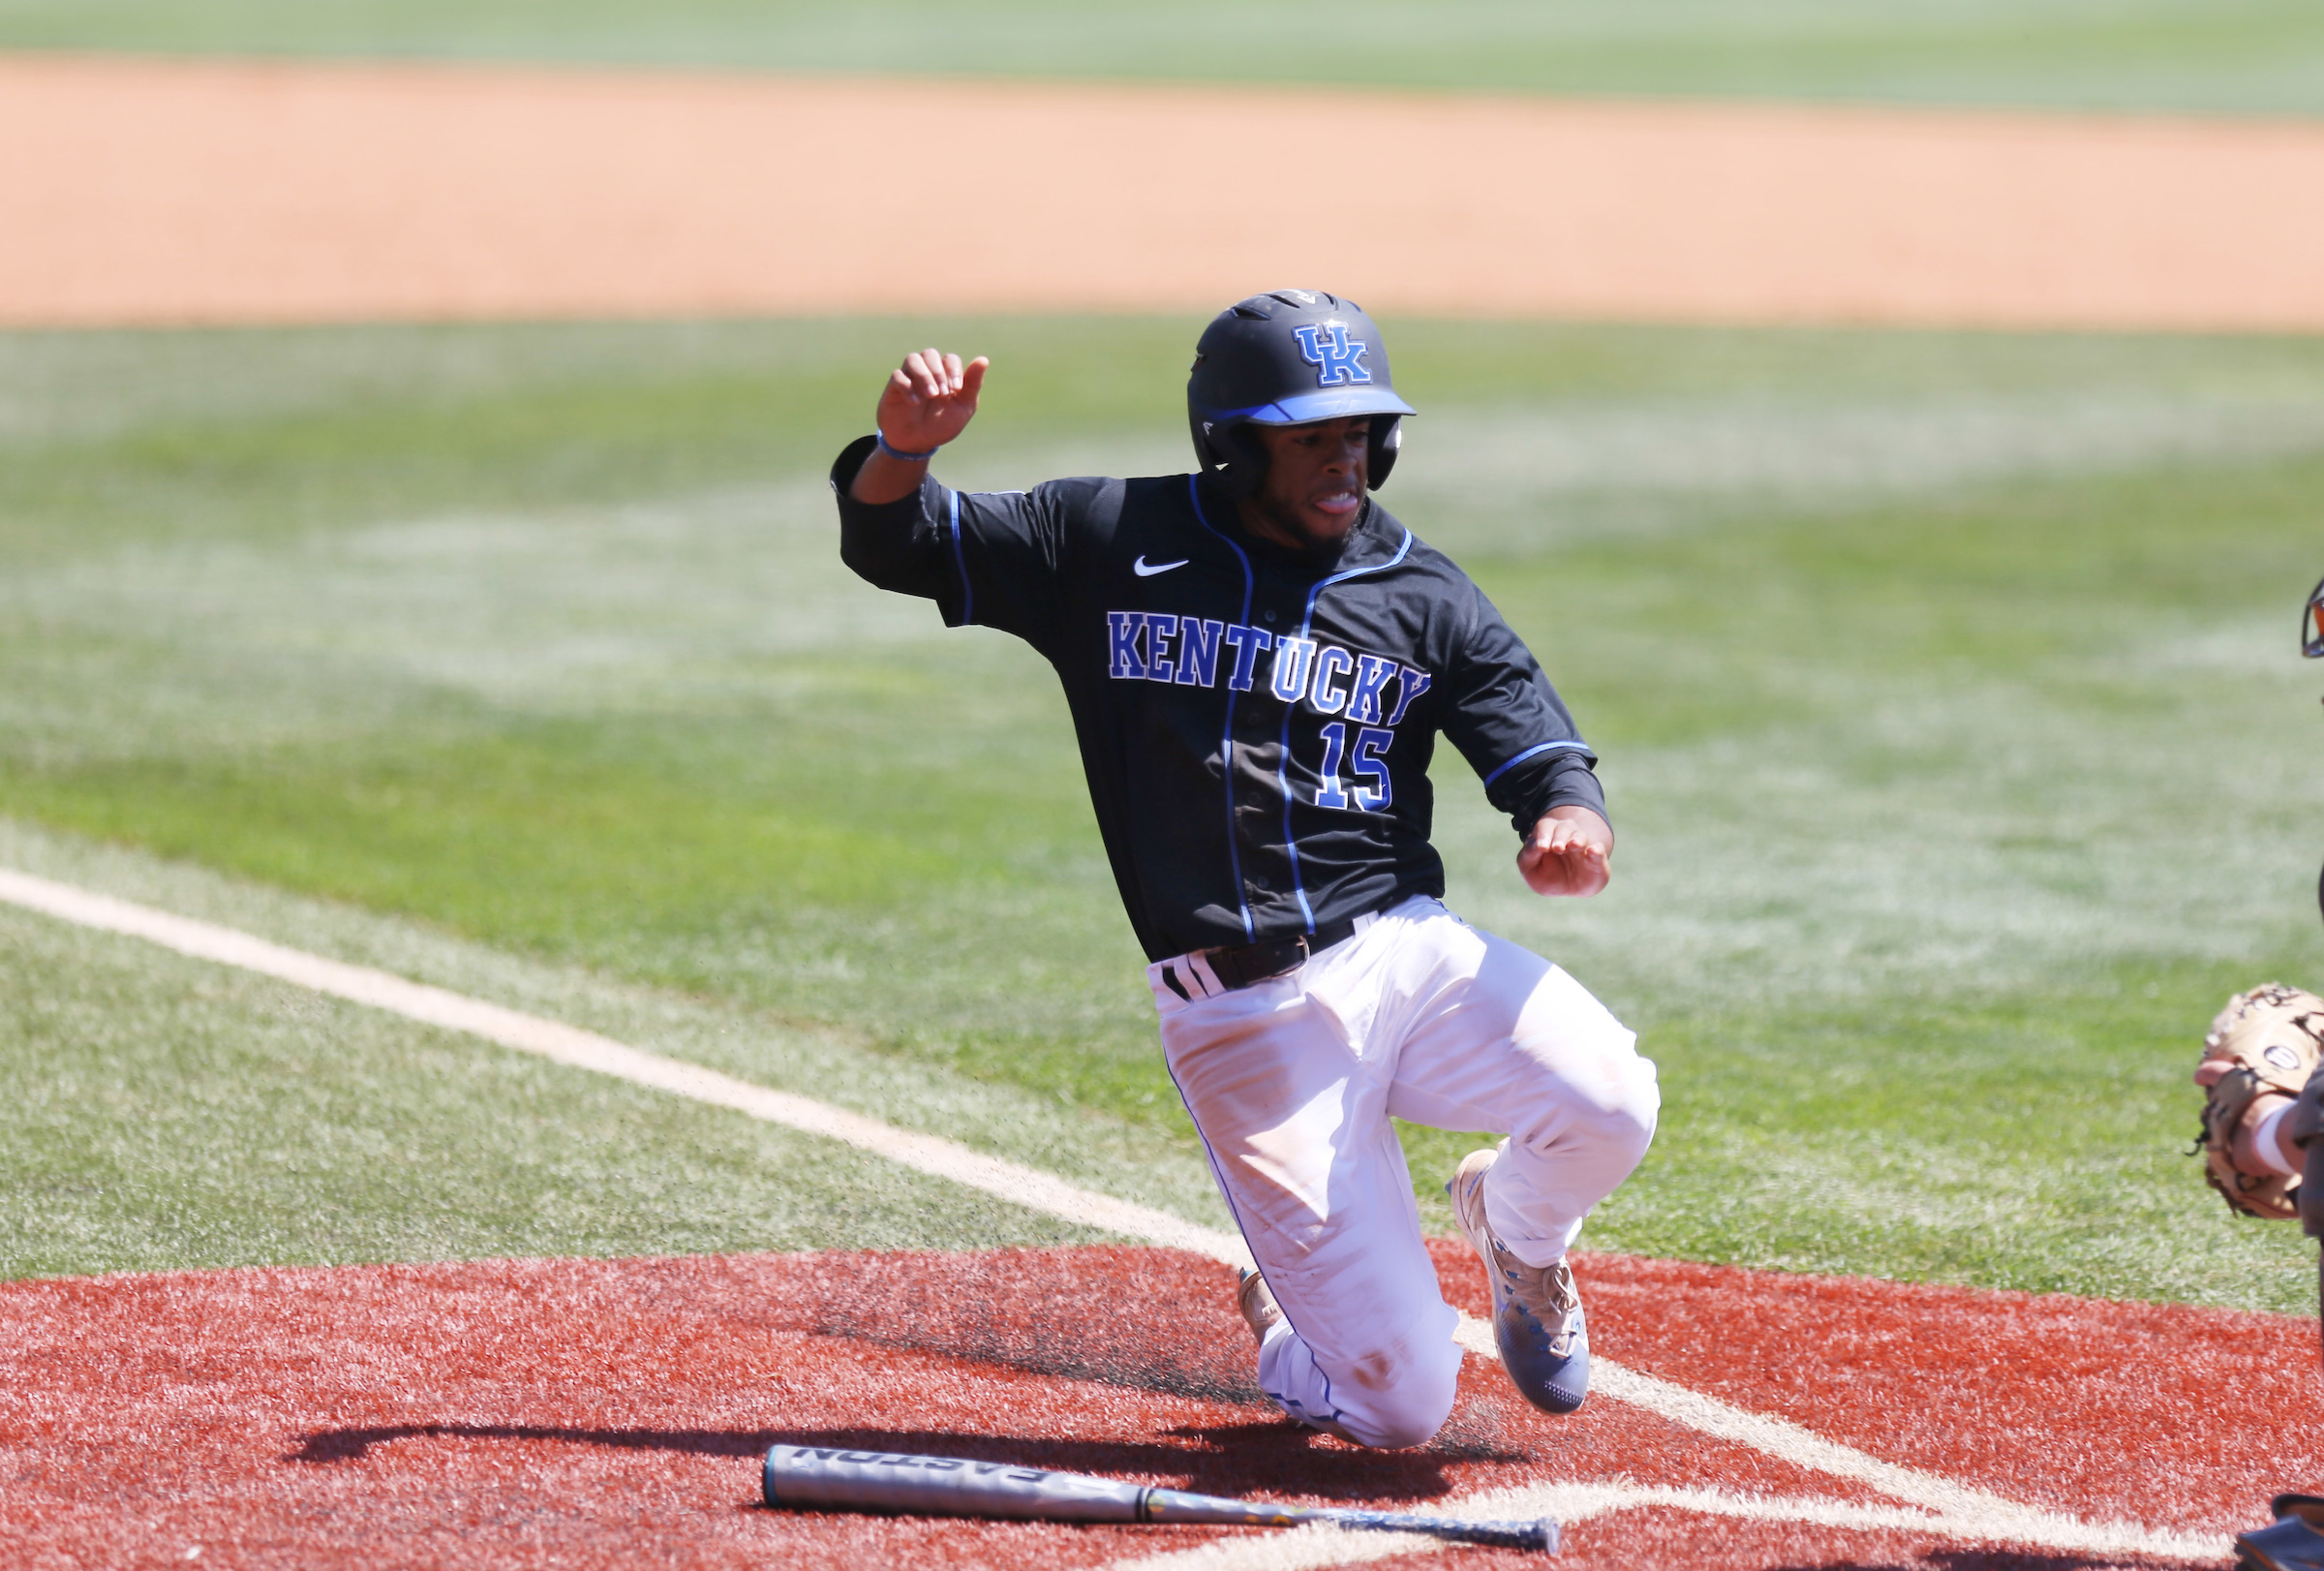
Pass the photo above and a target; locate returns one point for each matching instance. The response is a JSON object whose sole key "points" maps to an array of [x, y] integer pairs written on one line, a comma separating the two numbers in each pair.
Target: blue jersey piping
{"points": [[961, 560], [1226, 741], [1299, 887], [1537, 748]]}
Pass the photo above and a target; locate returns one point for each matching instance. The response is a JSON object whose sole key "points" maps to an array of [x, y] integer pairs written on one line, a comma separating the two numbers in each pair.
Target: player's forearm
{"points": [[889, 543], [883, 480]]}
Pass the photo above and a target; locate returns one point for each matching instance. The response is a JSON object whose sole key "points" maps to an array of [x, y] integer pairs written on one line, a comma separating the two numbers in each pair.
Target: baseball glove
{"points": [[2264, 1044]]}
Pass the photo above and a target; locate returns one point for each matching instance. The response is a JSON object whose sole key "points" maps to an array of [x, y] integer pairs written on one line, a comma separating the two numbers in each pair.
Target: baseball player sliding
{"points": [[1259, 659]]}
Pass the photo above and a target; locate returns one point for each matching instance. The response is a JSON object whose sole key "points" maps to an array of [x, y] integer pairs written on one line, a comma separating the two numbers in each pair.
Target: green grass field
{"points": [[1952, 720], [2214, 56]]}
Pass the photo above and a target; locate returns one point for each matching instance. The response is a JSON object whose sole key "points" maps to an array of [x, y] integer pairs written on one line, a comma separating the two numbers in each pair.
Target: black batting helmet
{"points": [[1286, 358]]}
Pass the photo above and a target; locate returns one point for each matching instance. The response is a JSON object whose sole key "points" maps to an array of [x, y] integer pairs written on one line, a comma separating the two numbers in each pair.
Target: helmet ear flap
{"points": [[1387, 440], [1231, 455]]}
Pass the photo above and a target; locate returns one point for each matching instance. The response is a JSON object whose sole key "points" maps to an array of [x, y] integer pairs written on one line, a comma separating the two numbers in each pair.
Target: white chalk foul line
{"points": [[1962, 1511], [1308, 1547]]}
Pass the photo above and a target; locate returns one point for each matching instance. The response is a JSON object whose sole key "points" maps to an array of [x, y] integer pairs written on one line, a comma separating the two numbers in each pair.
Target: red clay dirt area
{"points": [[595, 1413]]}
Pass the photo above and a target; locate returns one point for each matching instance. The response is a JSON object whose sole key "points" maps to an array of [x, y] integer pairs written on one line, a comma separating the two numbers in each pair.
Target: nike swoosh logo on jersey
{"points": [[1145, 569]]}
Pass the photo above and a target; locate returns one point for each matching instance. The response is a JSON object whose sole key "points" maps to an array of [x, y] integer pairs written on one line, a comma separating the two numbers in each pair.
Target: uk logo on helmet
{"points": [[1337, 361]]}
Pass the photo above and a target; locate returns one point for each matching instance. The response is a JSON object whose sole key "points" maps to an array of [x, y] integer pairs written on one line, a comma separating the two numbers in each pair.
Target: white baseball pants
{"points": [[1292, 1081]]}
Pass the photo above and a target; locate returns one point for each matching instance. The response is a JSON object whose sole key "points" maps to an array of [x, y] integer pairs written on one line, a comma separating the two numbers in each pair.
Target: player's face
{"points": [[1315, 475]]}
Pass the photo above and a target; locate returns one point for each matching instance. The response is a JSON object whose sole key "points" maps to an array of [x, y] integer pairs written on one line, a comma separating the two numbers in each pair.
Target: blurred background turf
{"points": [[2211, 56], [1953, 722]]}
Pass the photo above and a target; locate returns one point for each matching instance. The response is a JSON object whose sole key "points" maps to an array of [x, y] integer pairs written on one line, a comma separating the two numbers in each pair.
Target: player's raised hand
{"points": [[929, 399], [1568, 852]]}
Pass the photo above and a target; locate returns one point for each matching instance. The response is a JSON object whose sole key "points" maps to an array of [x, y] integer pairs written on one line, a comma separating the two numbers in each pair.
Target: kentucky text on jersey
{"points": [[1161, 646]]}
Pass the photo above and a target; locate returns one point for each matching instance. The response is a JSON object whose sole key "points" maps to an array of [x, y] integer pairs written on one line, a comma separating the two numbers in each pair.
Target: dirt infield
{"points": [[183, 192], [612, 1413]]}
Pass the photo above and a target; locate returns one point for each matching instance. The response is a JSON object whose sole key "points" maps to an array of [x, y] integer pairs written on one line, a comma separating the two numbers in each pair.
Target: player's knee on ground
{"points": [[1409, 1407], [1399, 1394]]}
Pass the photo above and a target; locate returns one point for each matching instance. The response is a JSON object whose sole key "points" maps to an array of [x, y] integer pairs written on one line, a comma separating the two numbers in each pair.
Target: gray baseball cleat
{"points": [[1538, 1321]]}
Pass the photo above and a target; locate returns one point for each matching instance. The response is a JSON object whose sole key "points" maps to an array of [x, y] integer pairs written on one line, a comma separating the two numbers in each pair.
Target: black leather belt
{"points": [[1240, 967]]}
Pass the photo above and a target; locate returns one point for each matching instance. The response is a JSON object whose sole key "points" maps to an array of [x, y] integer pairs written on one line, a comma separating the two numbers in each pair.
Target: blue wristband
{"points": [[881, 438]]}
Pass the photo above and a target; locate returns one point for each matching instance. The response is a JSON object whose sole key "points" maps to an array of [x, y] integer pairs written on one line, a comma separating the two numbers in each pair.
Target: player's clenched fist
{"points": [[1568, 852]]}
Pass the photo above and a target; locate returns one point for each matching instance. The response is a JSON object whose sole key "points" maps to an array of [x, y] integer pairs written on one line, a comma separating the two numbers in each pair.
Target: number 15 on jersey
{"points": [[1366, 762]]}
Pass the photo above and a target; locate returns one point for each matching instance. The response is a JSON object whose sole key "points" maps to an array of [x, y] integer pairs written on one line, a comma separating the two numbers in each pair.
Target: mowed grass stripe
{"points": [[2233, 57], [1021, 1185], [601, 1055], [165, 1114]]}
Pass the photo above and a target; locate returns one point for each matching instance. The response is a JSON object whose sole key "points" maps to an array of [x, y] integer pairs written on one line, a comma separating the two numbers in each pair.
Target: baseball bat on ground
{"points": [[827, 1477]]}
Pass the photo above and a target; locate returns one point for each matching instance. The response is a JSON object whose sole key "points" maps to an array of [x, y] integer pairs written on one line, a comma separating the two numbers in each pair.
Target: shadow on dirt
{"points": [[1138, 1320], [1236, 1459]]}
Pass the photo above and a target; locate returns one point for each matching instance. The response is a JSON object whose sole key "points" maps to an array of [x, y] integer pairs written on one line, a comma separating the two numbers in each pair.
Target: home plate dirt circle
{"points": [[596, 1412]]}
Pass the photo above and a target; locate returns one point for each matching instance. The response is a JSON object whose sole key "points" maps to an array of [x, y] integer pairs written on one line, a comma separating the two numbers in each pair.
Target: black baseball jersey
{"points": [[1256, 722]]}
